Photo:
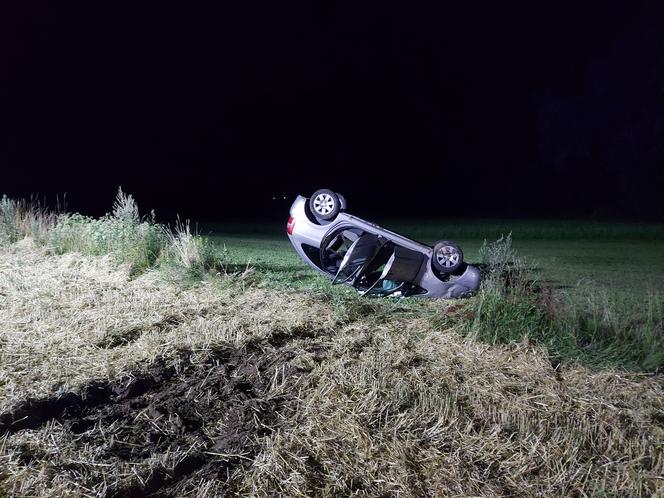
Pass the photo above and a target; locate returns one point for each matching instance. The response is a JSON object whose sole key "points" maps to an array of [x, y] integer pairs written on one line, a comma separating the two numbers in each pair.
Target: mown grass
{"points": [[479, 229], [549, 230]]}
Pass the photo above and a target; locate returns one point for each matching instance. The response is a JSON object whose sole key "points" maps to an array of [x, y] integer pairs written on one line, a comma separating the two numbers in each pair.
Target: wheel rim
{"points": [[323, 204], [447, 256]]}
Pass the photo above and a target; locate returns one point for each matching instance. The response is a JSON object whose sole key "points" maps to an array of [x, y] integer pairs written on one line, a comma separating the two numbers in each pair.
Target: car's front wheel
{"points": [[447, 257], [325, 204]]}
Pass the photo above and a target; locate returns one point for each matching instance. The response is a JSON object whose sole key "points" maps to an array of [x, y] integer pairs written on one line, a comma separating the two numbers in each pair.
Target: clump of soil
{"points": [[204, 419]]}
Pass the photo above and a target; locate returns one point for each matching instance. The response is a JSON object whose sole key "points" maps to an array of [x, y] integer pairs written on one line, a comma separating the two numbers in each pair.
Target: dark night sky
{"points": [[464, 109]]}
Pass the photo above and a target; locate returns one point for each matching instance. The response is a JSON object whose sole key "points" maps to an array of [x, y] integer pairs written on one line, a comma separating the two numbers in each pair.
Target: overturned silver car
{"points": [[375, 261]]}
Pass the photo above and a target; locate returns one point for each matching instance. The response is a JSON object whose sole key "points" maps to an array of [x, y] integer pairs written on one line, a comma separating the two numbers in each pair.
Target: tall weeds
{"points": [[124, 236], [506, 308], [190, 252], [125, 207], [129, 238], [20, 219], [588, 325]]}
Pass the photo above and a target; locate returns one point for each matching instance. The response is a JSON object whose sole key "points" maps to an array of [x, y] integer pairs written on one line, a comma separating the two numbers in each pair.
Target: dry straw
{"points": [[378, 407]]}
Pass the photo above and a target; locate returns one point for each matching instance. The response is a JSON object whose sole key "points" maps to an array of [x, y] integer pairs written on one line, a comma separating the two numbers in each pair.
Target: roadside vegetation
{"points": [[590, 326], [137, 359], [20, 219], [128, 238]]}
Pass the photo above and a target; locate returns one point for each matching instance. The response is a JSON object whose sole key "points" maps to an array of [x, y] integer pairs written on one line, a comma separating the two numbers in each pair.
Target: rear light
{"points": [[290, 225]]}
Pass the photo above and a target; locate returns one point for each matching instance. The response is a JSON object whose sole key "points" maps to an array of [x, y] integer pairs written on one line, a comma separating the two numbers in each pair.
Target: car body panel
{"points": [[307, 232]]}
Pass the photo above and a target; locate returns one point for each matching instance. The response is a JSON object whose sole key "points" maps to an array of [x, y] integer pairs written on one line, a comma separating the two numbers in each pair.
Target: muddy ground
{"points": [[209, 414]]}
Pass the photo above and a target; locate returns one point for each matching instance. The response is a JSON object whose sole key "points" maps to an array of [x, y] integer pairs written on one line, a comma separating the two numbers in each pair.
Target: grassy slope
{"points": [[373, 397]]}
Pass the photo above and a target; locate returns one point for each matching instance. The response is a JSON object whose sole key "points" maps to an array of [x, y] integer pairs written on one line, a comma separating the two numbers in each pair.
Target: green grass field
{"points": [[621, 259]]}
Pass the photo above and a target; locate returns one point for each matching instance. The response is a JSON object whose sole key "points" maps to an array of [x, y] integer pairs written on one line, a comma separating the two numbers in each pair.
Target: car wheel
{"points": [[325, 204], [447, 257]]}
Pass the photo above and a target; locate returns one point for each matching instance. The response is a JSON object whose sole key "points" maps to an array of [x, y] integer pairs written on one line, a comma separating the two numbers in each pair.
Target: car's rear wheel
{"points": [[324, 204], [447, 257]]}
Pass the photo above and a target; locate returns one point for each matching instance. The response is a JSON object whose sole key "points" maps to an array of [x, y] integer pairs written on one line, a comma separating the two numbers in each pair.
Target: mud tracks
{"points": [[34, 412], [175, 422]]}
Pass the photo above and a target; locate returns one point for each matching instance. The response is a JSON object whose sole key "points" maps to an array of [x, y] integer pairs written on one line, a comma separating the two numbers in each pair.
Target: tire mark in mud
{"points": [[209, 414], [219, 408], [35, 412]]}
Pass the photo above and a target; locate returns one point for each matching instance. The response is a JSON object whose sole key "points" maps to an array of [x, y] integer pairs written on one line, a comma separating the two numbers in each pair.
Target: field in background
{"points": [[626, 260], [139, 360]]}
